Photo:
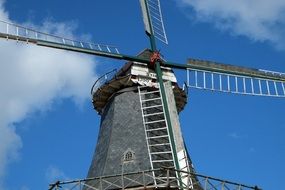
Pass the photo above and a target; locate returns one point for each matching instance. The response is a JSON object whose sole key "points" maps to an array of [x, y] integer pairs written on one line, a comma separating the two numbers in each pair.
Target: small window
{"points": [[129, 156]]}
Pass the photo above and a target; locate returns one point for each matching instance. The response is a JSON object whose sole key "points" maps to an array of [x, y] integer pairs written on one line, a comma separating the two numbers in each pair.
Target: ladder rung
{"points": [[156, 137], [162, 161], [157, 129], [157, 121], [152, 99], [142, 87], [150, 92], [151, 114], [165, 177], [163, 144], [166, 152], [152, 106]]}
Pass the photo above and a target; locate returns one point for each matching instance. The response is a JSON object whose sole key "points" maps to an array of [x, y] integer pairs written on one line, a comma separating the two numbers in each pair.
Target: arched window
{"points": [[129, 155]]}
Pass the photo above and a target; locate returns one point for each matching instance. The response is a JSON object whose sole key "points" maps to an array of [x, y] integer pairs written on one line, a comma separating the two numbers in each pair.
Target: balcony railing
{"points": [[102, 80], [145, 180]]}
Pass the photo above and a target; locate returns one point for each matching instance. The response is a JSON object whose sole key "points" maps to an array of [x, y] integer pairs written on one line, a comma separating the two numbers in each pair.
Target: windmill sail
{"points": [[152, 18], [234, 79], [24, 34]]}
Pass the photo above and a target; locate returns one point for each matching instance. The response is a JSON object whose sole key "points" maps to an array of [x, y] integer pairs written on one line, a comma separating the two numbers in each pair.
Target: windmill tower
{"points": [[134, 133], [140, 144]]}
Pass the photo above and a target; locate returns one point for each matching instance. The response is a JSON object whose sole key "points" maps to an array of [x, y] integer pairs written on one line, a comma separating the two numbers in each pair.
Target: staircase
{"points": [[156, 131]]}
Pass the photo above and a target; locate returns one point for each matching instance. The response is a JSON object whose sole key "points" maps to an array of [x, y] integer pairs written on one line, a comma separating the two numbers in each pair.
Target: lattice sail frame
{"points": [[255, 82], [20, 33], [234, 79], [152, 18]]}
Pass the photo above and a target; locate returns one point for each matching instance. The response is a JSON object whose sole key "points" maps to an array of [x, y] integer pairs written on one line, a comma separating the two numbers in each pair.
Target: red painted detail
{"points": [[155, 57]]}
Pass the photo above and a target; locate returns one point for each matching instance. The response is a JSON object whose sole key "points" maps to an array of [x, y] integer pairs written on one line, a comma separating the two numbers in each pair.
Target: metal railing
{"points": [[102, 80], [145, 180]]}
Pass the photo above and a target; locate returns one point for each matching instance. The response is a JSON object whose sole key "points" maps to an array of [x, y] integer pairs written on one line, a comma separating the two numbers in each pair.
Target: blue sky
{"points": [[48, 129]]}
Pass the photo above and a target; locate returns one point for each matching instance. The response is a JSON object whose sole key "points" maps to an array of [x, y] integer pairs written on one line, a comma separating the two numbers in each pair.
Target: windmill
{"points": [[201, 74]]}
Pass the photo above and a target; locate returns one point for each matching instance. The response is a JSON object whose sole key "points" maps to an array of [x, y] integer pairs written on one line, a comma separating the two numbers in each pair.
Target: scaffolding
{"points": [[145, 180]]}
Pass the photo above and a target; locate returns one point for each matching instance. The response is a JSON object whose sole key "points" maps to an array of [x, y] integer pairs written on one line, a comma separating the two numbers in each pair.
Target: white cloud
{"points": [[259, 20], [32, 78], [54, 174], [3, 13]]}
